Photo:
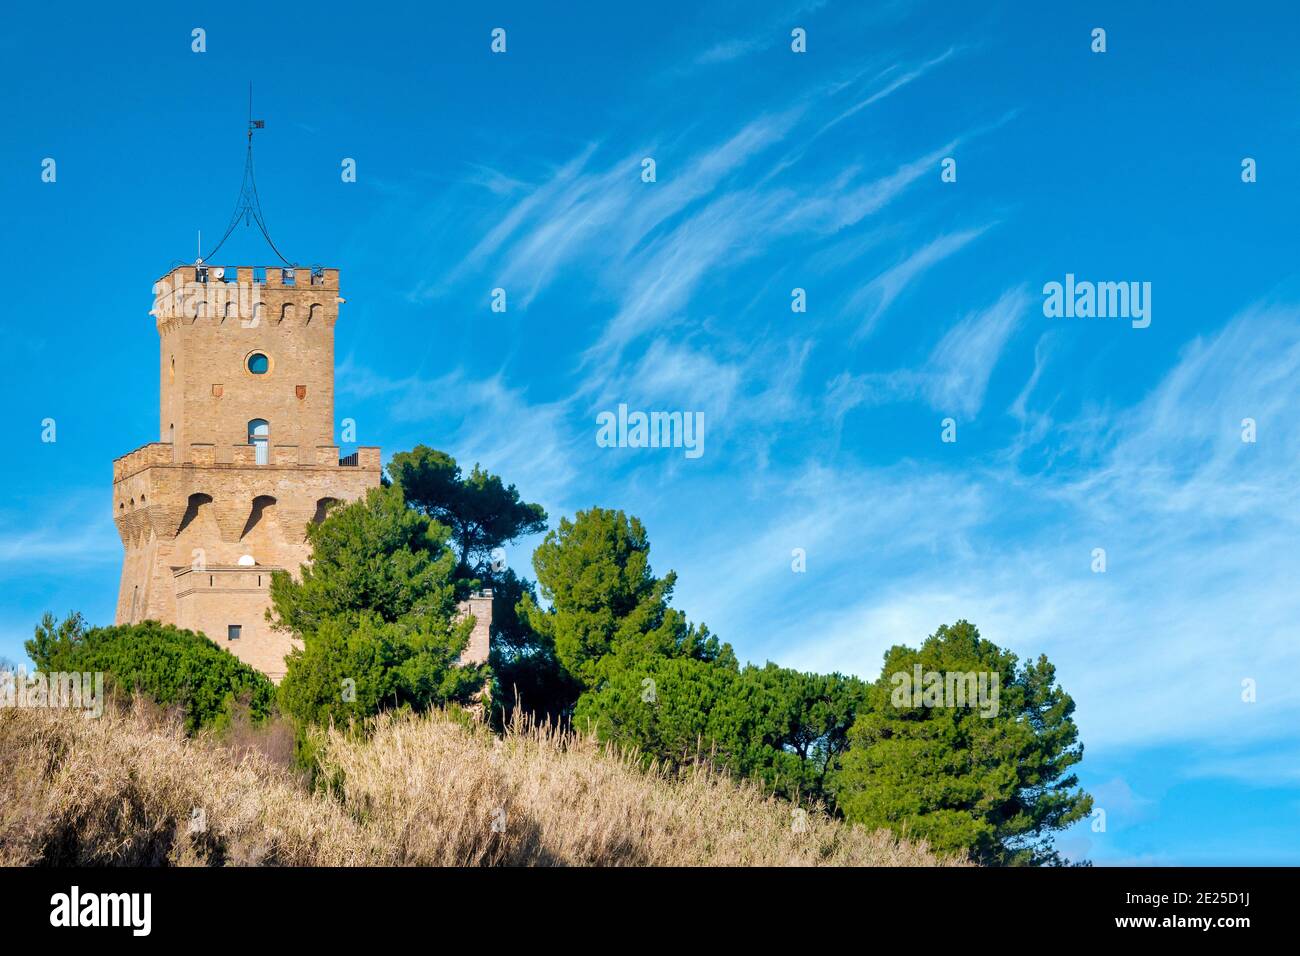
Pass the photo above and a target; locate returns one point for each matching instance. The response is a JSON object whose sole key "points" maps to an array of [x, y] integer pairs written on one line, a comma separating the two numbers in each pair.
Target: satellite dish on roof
{"points": [[247, 561]]}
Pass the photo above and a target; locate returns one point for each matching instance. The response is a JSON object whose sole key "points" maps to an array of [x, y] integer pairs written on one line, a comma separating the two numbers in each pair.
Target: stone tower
{"points": [[245, 458]]}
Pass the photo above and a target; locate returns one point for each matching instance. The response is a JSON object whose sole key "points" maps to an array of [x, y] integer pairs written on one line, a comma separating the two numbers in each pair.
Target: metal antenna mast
{"points": [[248, 207]]}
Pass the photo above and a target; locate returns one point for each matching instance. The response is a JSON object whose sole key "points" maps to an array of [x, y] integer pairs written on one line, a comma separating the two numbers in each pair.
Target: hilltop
{"points": [[130, 788]]}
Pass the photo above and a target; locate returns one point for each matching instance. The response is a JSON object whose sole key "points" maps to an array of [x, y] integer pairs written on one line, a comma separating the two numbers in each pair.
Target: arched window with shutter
{"points": [[259, 436]]}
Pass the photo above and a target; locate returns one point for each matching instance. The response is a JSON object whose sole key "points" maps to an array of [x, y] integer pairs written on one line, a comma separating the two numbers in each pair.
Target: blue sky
{"points": [[774, 171]]}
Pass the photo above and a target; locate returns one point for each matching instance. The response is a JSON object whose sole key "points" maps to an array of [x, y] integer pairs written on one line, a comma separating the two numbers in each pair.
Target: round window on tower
{"points": [[258, 363]]}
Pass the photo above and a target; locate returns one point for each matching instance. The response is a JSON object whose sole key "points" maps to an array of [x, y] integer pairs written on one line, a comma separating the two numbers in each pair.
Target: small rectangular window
{"points": [[288, 277], [233, 631]]}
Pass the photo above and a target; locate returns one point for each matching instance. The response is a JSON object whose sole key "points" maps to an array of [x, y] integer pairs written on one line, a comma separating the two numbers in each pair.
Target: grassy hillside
{"points": [[428, 790]]}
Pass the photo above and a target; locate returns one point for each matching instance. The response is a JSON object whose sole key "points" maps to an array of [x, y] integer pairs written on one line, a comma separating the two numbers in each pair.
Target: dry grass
{"points": [[122, 790], [418, 791]]}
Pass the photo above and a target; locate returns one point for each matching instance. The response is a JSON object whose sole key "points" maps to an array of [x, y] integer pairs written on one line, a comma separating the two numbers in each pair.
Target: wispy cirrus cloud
{"points": [[651, 247], [738, 225], [1194, 522], [733, 48], [957, 373], [874, 299], [891, 85], [954, 378], [536, 448], [773, 31], [1181, 447]]}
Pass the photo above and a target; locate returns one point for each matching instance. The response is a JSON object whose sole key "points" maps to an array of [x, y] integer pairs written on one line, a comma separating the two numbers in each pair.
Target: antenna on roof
{"points": [[248, 207], [252, 123]]}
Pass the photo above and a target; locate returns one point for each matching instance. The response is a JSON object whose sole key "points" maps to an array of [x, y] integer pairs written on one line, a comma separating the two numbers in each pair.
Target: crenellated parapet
{"points": [[205, 455], [154, 453], [246, 296]]}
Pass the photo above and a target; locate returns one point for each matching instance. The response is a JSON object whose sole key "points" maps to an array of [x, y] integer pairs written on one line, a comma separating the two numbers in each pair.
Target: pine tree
{"points": [[991, 779]]}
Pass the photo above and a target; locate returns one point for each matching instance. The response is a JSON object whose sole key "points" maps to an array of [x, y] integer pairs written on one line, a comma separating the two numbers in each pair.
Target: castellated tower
{"points": [[245, 457]]}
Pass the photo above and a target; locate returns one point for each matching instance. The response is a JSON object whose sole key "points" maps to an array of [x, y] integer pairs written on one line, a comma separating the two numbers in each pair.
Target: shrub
{"points": [[170, 666]]}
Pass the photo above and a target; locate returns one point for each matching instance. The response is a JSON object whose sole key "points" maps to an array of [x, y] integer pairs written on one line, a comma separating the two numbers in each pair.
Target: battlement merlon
{"points": [[199, 454], [273, 277]]}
